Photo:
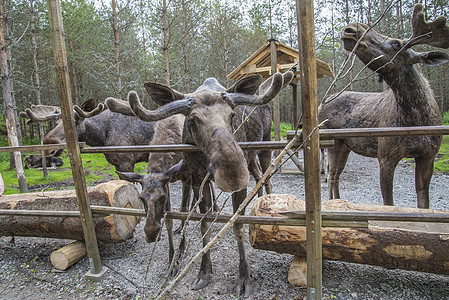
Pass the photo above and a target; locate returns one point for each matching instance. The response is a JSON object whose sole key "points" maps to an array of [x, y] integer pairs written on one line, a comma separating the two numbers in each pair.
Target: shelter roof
{"points": [[260, 62]]}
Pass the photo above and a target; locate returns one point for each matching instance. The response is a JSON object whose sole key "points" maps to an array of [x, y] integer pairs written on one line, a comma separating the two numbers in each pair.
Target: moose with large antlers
{"points": [[213, 115], [97, 126], [408, 102]]}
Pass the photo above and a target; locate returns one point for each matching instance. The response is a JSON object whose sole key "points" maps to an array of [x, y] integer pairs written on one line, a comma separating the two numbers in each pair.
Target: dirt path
{"points": [[26, 272]]}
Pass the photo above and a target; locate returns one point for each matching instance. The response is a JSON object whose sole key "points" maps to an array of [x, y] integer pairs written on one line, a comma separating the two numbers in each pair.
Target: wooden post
{"points": [[295, 105], [276, 104], [306, 37], [60, 58]]}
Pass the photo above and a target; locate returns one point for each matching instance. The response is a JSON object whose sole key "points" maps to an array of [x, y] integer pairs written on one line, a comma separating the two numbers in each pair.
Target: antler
{"points": [[41, 113], [134, 107], [435, 33], [268, 90], [88, 114]]}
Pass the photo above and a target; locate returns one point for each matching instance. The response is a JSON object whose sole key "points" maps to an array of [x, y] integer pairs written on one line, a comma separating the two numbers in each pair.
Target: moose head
{"points": [[154, 196], [387, 56], [45, 113], [210, 112]]}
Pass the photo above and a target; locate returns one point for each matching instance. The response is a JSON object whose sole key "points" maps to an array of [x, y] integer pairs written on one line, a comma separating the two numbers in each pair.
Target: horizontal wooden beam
{"points": [[332, 134], [38, 148], [191, 148], [262, 220], [375, 216], [292, 218], [325, 134]]}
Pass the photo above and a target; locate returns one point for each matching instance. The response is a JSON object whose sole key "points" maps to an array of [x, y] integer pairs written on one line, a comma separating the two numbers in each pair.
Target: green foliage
{"points": [[445, 118], [284, 128], [442, 159]]}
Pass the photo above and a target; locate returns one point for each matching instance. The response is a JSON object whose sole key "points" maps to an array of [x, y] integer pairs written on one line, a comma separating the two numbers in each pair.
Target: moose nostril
{"points": [[349, 30]]}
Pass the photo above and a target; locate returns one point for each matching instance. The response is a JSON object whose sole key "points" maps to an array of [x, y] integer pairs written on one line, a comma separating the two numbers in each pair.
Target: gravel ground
{"points": [[26, 271]]}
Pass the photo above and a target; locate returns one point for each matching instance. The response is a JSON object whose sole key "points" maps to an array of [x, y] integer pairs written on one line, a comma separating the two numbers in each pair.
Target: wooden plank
{"points": [[328, 134], [275, 101], [312, 181], [191, 148], [37, 148], [65, 98], [263, 220], [437, 216]]}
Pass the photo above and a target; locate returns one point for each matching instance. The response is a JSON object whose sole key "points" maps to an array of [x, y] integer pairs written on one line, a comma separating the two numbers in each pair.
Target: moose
{"points": [[165, 167], [97, 126], [409, 101], [213, 114], [162, 169], [35, 161]]}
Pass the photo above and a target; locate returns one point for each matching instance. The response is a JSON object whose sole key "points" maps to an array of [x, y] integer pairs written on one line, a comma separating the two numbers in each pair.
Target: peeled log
{"points": [[109, 229], [404, 245], [68, 255]]}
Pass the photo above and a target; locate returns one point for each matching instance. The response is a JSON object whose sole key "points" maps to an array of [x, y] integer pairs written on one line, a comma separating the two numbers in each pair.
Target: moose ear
{"points": [[129, 176], [247, 85], [433, 58], [162, 94], [89, 105], [173, 171]]}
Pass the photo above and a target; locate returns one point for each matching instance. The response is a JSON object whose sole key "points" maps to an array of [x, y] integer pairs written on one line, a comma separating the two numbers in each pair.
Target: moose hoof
{"points": [[243, 287], [177, 231], [200, 284], [173, 272]]}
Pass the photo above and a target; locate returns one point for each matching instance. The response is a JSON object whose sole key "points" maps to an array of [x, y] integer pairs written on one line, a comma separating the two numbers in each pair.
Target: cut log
{"points": [[68, 255], [109, 229], [404, 245]]}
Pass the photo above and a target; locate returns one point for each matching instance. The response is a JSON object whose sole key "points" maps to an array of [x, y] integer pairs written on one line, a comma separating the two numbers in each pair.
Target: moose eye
{"points": [[192, 121], [396, 44]]}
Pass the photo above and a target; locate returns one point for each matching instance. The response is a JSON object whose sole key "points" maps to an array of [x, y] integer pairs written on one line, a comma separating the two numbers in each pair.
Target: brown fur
{"points": [[408, 102]]}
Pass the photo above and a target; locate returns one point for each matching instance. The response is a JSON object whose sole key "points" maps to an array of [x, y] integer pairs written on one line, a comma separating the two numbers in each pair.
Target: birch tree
{"points": [[11, 114]]}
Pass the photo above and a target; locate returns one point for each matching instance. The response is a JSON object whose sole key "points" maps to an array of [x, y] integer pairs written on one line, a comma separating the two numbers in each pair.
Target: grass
{"points": [[442, 159], [94, 164]]}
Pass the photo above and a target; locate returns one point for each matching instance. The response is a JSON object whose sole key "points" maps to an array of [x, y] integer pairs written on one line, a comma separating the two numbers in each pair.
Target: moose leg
{"points": [[169, 226], [254, 169], [243, 285], [337, 156], [206, 263], [387, 166], [186, 191], [265, 162], [423, 174]]}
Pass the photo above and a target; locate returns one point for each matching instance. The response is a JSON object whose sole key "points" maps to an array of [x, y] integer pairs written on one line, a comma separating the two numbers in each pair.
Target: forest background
{"points": [[116, 46]]}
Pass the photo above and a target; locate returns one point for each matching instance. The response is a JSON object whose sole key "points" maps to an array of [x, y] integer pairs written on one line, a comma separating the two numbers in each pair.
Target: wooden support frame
{"points": [[60, 58], [275, 101], [306, 41]]}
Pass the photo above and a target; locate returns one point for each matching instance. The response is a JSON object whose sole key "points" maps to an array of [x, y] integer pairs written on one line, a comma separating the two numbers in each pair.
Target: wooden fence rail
{"points": [[292, 218]]}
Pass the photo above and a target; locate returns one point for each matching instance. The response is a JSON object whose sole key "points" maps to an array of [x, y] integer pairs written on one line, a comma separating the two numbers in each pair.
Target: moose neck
{"points": [[414, 98]]}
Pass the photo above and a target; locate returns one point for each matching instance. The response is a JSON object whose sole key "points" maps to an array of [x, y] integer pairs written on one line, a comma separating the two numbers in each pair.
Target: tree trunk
{"points": [[443, 90], [117, 49], [185, 48], [109, 229], [68, 255], [72, 70], [37, 86], [405, 245], [7, 98], [165, 42]]}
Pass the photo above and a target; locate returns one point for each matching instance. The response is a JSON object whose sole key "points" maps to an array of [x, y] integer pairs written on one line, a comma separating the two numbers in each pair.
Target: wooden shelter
{"points": [[286, 57], [273, 57]]}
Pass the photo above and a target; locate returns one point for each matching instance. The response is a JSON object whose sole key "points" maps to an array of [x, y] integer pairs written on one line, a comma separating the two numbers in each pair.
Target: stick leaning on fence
{"points": [[234, 218]]}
